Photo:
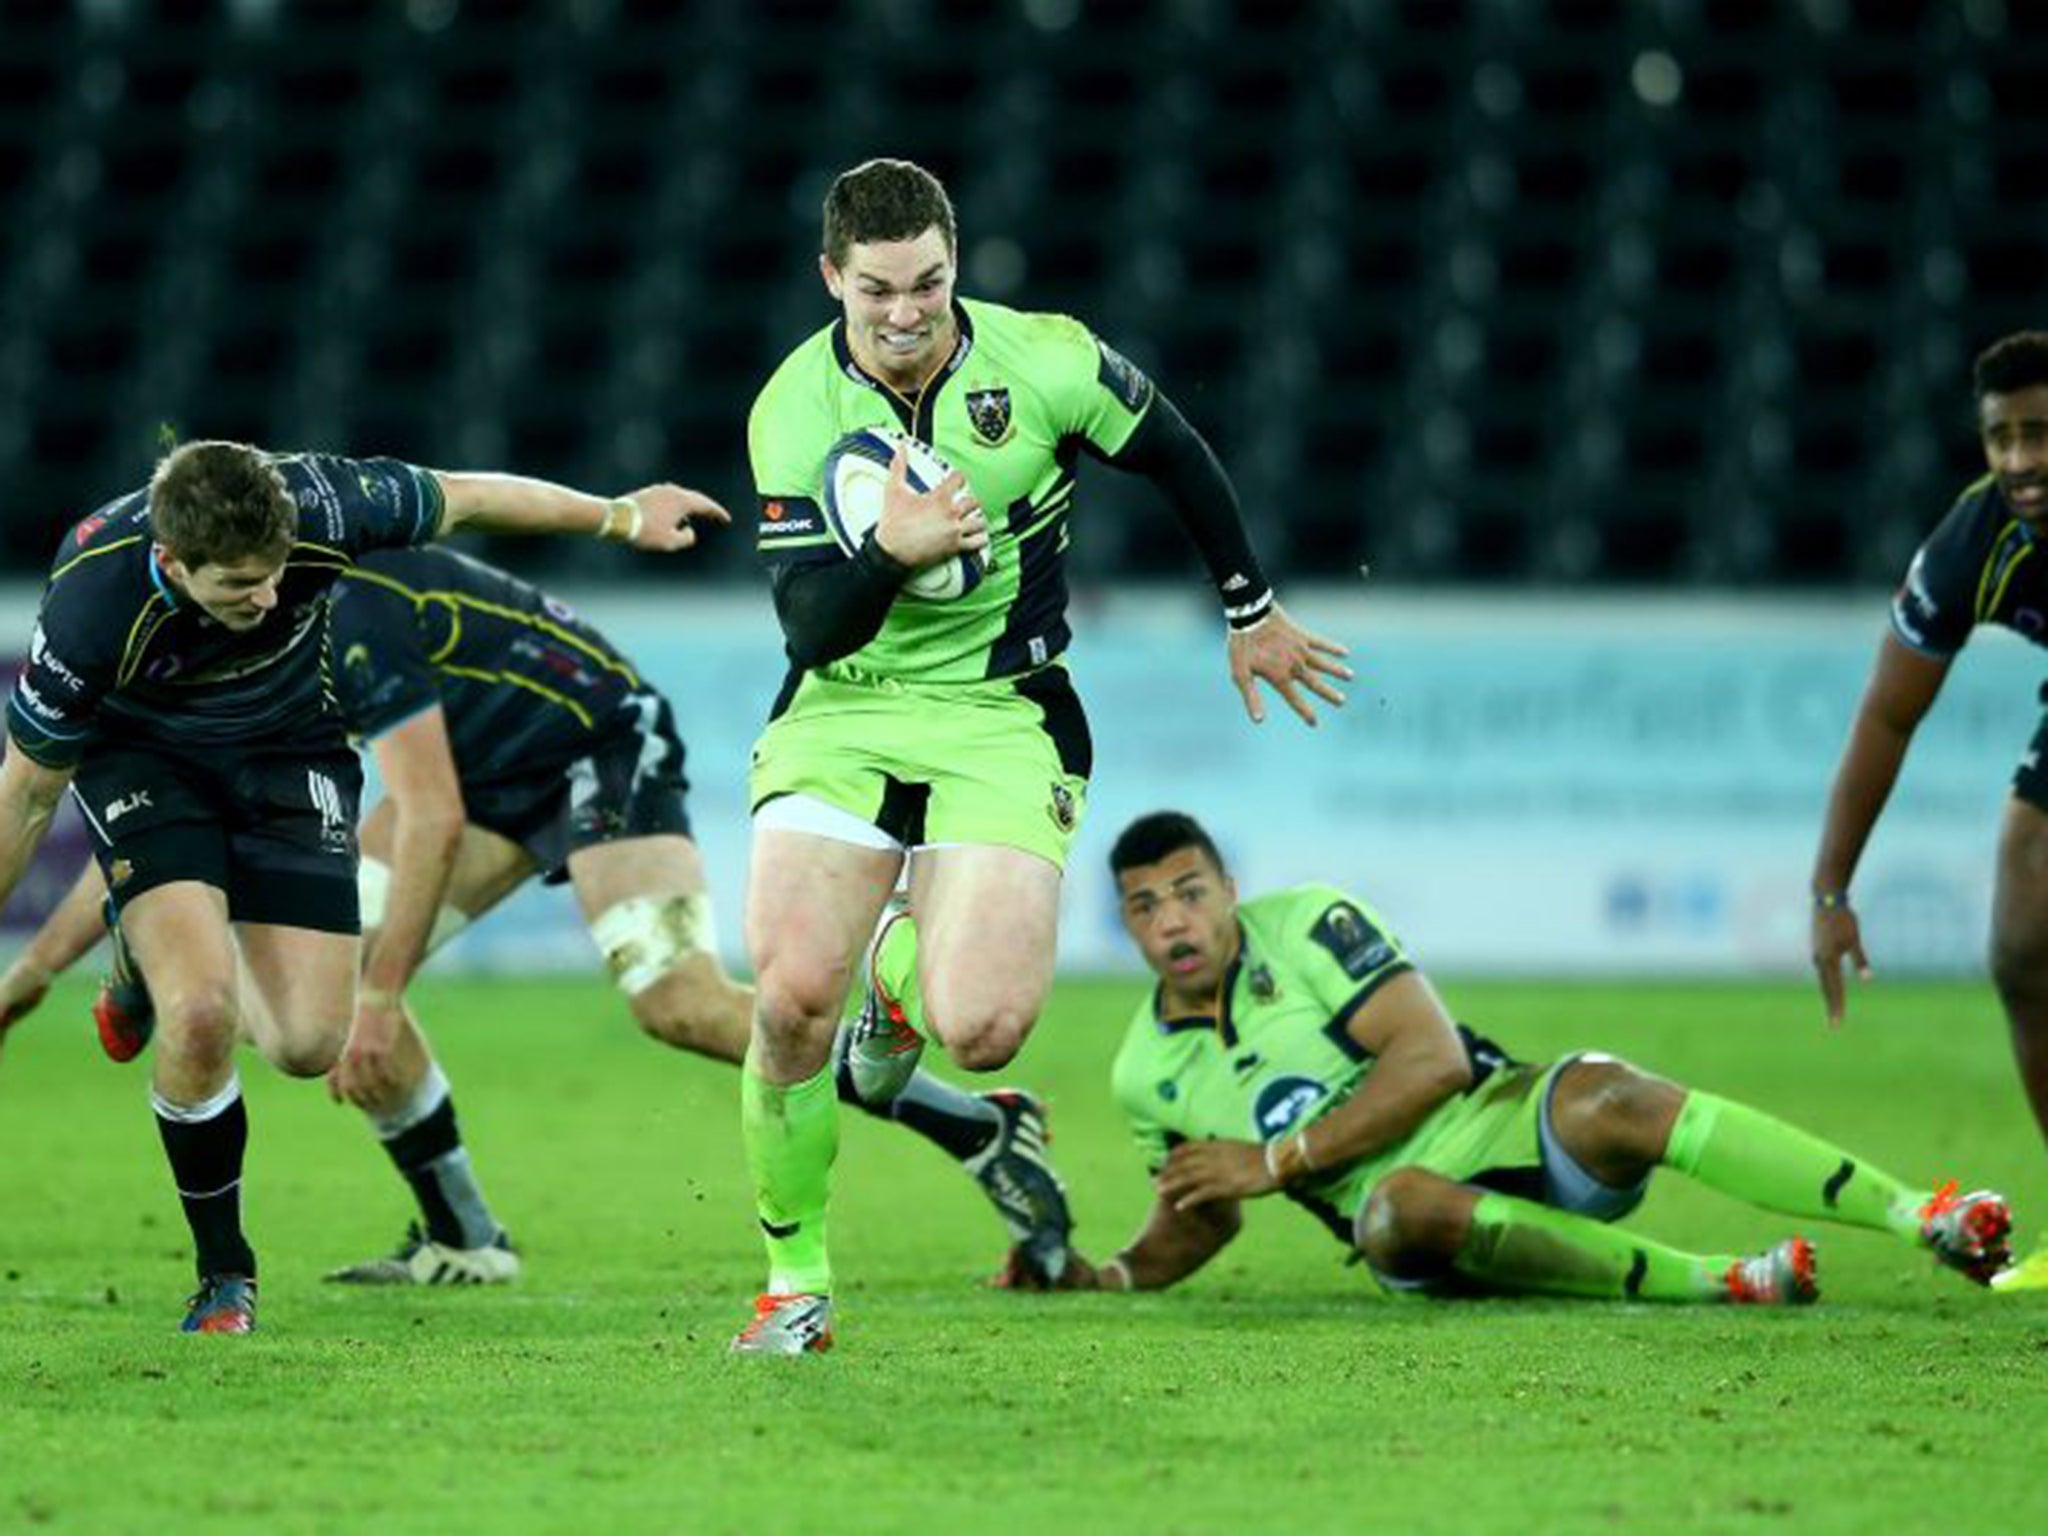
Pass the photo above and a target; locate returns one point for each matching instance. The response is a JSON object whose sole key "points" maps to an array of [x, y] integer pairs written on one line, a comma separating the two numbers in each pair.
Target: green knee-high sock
{"points": [[896, 972], [792, 1135], [1518, 1245], [1758, 1158]]}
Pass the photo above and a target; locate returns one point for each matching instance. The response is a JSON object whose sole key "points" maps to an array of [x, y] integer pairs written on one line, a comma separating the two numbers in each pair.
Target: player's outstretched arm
{"points": [[1172, 1245], [656, 518], [1265, 645], [417, 765], [1902, 688], [66, 936], [29, 794]]}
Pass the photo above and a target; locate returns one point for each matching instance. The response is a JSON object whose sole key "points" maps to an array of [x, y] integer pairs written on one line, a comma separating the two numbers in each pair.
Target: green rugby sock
{"points": [[1518, 1245], [1760, 1159], [896, 971], [792, 1135]]}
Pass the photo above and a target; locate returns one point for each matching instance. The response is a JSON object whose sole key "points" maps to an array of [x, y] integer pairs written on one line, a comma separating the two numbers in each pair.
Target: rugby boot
{"points": [[1968, 1232], [1783, 1276], [799, 1324]]}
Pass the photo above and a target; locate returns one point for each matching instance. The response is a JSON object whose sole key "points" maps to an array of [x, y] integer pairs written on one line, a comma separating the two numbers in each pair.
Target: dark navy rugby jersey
{"points": [[1981, 565], [118, 655], [523, 682]]}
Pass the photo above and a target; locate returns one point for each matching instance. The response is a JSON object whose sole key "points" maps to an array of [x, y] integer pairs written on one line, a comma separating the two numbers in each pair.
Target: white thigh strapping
{"points": [[373, 894]]}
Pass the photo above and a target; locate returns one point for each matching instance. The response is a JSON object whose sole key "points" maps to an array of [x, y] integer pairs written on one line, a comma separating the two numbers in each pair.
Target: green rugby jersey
{"points": [[1278, 1055], [1012, 408]]}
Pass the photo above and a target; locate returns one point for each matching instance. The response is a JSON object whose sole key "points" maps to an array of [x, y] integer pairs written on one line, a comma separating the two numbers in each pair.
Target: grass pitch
{"points": [[1276, 1391]]}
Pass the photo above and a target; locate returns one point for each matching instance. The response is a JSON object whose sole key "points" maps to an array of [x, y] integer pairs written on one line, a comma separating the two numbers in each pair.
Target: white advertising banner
{"points": [[1562, 785]]}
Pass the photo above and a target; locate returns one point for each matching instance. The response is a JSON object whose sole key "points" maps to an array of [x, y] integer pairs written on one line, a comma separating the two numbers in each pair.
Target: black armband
{"points": [[830, 611], [1174, 457]]}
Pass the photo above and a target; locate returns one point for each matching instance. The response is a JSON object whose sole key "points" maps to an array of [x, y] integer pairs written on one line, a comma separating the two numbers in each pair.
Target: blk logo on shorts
{"points": [[122, 805]]}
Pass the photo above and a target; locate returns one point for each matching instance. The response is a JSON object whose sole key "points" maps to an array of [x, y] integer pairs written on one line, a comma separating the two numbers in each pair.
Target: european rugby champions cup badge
{"points": [[988, 411]]}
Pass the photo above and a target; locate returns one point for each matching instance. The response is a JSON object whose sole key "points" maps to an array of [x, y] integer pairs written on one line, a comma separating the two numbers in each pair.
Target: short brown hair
{"points": [[216, 503], [885, 200]]}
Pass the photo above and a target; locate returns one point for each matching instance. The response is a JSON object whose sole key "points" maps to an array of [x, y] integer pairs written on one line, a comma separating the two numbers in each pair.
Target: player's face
{"points": [[2015, 431], [235, 593], [898, 299], [1182, 914]]}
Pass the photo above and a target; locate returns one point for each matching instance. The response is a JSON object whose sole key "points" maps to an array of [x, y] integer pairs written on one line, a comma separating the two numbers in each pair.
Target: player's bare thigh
{"points": [[488, 868], [305, 982], [984, 981], [648, 908], [181, 940], [812, 904], [2019, 906]]}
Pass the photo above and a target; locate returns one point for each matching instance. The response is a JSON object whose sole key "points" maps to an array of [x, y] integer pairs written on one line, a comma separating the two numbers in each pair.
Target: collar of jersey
{"points": [[842, 352], [1219, 1021], [161, 582]]}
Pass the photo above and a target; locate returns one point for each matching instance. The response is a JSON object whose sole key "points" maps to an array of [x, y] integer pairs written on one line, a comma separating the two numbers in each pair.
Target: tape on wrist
{"points": [[1113, 1266], [623, 520]]}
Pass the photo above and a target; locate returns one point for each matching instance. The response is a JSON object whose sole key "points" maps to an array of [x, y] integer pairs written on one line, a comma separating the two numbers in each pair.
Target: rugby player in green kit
{"points": [[945, 727]]}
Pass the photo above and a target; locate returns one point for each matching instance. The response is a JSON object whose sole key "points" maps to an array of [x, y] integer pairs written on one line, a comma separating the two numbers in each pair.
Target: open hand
{"points": [[1198, 1172], [1280, 653], [366, 1074]]}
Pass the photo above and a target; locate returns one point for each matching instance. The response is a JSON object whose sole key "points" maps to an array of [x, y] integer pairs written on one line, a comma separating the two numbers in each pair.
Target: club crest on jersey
{"points": [[988, 410], [1260, 980], [1282, 1103]]}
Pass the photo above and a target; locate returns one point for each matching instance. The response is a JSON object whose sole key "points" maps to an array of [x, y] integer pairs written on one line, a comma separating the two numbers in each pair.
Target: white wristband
{"points": [[618, 530]]}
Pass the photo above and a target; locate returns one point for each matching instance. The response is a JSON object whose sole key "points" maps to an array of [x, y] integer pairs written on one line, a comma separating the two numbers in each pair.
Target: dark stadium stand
{"points": [[1678, 291]]}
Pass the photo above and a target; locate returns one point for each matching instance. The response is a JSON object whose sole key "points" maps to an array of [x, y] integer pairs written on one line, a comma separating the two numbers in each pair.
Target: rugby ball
{"points": [[857, 471]]}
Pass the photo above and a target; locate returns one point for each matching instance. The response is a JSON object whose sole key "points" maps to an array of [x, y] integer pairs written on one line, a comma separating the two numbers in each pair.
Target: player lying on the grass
{"points": [[176, 684], [1292, 1047], [513, 739]]}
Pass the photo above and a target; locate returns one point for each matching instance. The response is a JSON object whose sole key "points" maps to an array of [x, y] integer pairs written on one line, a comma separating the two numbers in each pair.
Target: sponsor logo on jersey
{"points": [[774, 512], [89, 527], [34, 702], [1352, 940], [119, 872], [45, 661], [1123, 378], [988, 410], [1282, 1103]]}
